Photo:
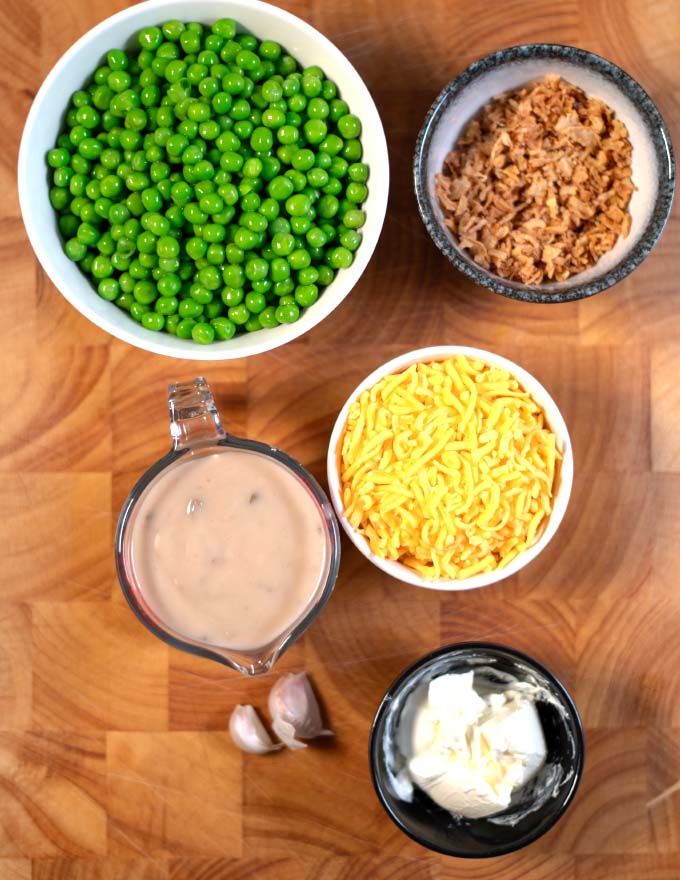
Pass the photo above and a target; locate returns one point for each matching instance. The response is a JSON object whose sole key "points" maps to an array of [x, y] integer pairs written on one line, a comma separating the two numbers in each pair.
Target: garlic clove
{"points": [[286, 733], [295, 711], [249, 733]]}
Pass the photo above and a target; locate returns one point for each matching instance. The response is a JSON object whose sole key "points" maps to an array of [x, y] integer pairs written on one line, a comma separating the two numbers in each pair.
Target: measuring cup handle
{"points": [[194, 420]]}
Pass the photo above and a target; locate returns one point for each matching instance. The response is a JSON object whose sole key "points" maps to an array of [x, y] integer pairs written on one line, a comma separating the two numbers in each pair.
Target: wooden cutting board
{"points": [[114, 757]]}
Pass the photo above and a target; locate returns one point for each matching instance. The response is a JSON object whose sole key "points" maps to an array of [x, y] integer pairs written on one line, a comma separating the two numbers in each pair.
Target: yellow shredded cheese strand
{"points": [[448, 467]]}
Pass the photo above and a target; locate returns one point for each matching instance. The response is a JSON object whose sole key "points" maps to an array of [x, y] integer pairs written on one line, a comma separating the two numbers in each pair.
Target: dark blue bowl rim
{"points": [[457, 647], [663, 147]]}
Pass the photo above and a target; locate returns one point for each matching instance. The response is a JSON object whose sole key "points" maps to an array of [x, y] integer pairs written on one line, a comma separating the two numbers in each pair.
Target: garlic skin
{"points": [[295, 711], [249, 733]]}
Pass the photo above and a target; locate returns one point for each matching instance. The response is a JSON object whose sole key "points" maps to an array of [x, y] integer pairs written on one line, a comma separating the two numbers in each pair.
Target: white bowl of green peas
{"points": [[204, 180]]}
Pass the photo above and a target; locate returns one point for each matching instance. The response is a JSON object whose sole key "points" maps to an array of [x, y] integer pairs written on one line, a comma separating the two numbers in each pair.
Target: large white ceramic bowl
{"points": [[563, 479], [45, 118]]}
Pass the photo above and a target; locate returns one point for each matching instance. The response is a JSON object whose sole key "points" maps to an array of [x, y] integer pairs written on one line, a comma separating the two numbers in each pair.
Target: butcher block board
{"points": [[115, 761]]}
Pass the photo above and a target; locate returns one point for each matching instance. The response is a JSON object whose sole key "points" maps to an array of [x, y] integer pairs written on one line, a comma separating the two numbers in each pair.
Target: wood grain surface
{"points": [[114, 757]]}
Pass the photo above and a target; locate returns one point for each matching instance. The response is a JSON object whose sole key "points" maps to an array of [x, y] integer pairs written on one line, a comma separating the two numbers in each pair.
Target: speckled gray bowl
{"points": [[653, 159]]}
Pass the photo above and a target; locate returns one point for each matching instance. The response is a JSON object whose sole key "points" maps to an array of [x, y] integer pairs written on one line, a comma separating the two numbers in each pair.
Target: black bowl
{"points": [[534, 808], [653, 159]]}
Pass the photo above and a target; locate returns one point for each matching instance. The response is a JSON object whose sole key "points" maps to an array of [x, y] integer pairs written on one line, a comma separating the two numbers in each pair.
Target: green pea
{"points": [[68, 225], [283, 243], [75, 249], [288, 134], [210, 277], [352, 150], [297, 178], [256, 269], [291, 86], [253, 221], [358, 172], [272, 90], [269, 208], [287, 313], [327, 207], [268, 317], [169, 285], [137, 310], [145, 292], [270, 167], [338, 167], [317, 177], [233, 275], [252, 167], [316, 237], [354, 219], [108, 289], [200, 294], [231, 296], [261, 140], [243, 129], [246, 239], [315, 131], [231, 161], [224, 328], [59, 198], [153, 321], [58, 158], [234, 255], [303, 160], [340, 258], [356, 193], [87, 234], [326, 275], [171, 322], [279, 269], [229, 193], [215, 254], [306, 295], [269, 49], [189, 308], [185, 327], [300, 259], [250, 202], [298, 205], [349, 126], [253, 324], [283, 288], [301, 225], [333, 187], [255, 302], [239, 314], [310, 275], [281, 224], [166, 246], [280, 188], [101, 267], [214, 233], [350, 239]]}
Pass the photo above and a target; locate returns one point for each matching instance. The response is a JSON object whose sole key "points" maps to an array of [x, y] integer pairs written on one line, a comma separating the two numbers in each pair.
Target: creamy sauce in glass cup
{"points": [[229, 549]]}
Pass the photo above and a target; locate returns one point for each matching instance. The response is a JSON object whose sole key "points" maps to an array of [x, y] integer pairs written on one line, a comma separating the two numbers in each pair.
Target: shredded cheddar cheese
{"points": [[448, 468]]}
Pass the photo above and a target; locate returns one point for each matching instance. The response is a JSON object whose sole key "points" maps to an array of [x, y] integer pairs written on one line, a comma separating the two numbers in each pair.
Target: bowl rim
{"points": [[218, 351], [556, 422], [374, 747], [663, 147]]}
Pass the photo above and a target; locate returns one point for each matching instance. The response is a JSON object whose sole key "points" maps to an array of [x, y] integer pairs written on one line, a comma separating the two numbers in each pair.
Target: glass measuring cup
{"points": [[196, 430]]}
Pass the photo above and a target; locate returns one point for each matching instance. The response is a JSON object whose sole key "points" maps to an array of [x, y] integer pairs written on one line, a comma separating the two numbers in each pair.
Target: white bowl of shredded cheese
{"points": [[450, 467]]}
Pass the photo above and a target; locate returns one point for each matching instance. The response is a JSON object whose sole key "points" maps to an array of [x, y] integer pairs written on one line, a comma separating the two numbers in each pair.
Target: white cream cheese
{"points": [[467, 751]]}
